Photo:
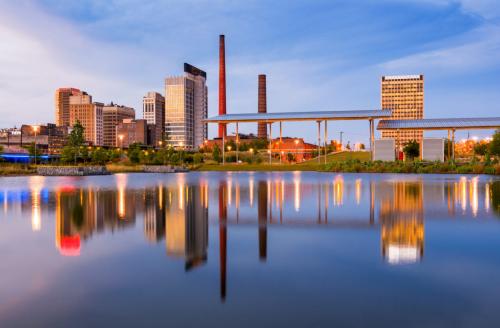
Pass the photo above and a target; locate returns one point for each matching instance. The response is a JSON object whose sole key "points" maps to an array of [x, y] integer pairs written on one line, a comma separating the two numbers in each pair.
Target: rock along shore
{"points": [[72, 170]]}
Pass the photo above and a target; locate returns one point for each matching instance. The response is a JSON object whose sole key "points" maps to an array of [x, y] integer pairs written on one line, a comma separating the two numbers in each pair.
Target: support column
{"points": [[326, 139], [453, 144], [281, 140], [372, 137], [319, 142], [237, 143], [223, 149], [270, 141]]}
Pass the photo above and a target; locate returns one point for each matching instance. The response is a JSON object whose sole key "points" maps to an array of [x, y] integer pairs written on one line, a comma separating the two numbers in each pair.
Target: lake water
{"points": [[250, 250]]}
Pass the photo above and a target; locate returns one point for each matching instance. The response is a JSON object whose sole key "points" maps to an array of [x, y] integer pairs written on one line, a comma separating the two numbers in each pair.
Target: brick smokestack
{"points": [[262, 106], [222, 84]]}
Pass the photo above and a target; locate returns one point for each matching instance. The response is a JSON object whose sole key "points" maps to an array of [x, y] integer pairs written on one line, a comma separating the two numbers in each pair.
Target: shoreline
{"points": [[337, 167]]}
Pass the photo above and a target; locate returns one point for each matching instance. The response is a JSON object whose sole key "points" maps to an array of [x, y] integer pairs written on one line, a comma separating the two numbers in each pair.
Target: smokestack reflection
{"points": [[262, 217], [222, 239]]}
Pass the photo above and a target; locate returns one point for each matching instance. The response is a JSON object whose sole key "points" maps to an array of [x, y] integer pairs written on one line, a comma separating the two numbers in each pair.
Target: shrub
{"points": [[197, 158]]}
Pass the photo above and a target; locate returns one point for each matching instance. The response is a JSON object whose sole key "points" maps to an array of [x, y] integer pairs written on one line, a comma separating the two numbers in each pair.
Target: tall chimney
{"points": [[262, 106], [222, 84]]}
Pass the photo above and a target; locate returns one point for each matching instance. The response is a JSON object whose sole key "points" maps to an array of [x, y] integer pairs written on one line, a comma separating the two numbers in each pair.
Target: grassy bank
{"points": [[124, 168], [357, 166], [16, 169]]}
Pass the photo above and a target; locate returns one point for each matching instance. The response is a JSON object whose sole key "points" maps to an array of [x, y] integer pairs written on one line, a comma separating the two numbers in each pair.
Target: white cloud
{"points": [[480, 52]]}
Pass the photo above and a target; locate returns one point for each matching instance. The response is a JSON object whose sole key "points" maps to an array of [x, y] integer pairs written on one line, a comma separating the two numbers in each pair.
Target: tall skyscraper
{"points": [[153, 111], [61, 101], [185, 108], [113, 115], [89, 114], [404, 95]]}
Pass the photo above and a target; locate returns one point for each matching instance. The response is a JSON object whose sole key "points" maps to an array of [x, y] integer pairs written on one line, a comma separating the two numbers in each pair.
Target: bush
{"points": [[197, 158]]}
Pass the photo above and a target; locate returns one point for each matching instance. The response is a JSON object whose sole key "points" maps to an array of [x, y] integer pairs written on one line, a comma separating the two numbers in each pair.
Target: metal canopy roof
{"points": [[441, 124], [300, 116]]}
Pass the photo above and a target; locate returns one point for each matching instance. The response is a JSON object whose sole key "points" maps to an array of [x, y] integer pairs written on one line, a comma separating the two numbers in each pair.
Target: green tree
{"points": [[411, 149], [134, 153], [76, 137], [290, 157], [68, 154], [481, 149], [495, 144], [100, 156], [216, 154], [32, 151], [1, 149]]}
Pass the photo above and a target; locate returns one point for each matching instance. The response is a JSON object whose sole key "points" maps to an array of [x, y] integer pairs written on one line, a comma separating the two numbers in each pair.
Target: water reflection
{"points": [[178, 211]]}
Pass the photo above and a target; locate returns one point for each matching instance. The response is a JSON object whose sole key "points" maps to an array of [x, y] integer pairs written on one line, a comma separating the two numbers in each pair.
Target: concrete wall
{"points": [[433, 149], [384, 150]]}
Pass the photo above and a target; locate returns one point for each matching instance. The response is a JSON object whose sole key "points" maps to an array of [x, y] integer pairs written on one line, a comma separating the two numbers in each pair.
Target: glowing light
{"points": [[121, 184], [296, 185], [36, 184], [462, 186], [250, 186], [487, 197], [358, 191], [229, 191], [338, 190], [473, 195]]}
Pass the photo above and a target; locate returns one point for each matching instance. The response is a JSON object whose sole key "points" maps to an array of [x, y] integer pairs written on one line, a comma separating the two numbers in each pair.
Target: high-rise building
{"points": [[89, 114], [113, 115], [61, 100], [404, 95], [185, 108], [153, 111], [131, 131]]}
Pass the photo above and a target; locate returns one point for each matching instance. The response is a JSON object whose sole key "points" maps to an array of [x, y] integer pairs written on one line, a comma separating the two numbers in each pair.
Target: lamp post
{"points": [[35, 129], [296, 149], [121, 141]]}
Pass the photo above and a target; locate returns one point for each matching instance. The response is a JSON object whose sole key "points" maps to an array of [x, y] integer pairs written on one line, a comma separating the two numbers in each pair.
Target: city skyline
{"points": [[453, 43]]}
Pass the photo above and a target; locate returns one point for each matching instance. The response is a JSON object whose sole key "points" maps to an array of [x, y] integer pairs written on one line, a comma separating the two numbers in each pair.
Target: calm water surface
{"points": [[250, 250]]}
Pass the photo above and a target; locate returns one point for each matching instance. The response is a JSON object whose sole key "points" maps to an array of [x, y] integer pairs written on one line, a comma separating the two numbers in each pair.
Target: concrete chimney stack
{"points": [[222, 84], [262, 106]]}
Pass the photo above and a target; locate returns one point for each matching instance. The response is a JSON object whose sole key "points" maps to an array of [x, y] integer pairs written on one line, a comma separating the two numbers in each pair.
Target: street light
{"points": [[229, 148], [121, 141], [35, 129]]}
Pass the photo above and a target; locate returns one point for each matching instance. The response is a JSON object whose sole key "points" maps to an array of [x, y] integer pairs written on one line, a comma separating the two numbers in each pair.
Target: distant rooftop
{"points": [[402, 77], [300, 116], [441, 123]]}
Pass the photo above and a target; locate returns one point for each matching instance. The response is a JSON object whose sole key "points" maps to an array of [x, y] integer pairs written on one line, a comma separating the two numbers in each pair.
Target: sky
{"points": [[317, 54]]}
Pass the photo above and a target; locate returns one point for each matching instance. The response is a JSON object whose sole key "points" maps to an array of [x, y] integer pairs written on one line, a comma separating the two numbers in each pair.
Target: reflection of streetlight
{"points": [[35, 129]]}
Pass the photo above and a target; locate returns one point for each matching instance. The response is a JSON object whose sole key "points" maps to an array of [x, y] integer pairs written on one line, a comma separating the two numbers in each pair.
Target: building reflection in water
{"points": [[178, 212], [187, 224], [402, 220]]}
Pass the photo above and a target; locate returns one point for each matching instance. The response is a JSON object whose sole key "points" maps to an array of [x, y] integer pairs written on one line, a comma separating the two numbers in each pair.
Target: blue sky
{"points": [[318, 55]]}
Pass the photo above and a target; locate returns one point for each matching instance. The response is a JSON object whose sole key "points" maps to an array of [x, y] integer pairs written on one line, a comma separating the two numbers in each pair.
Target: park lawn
{"points": [[362, 156], [310, 165]]}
